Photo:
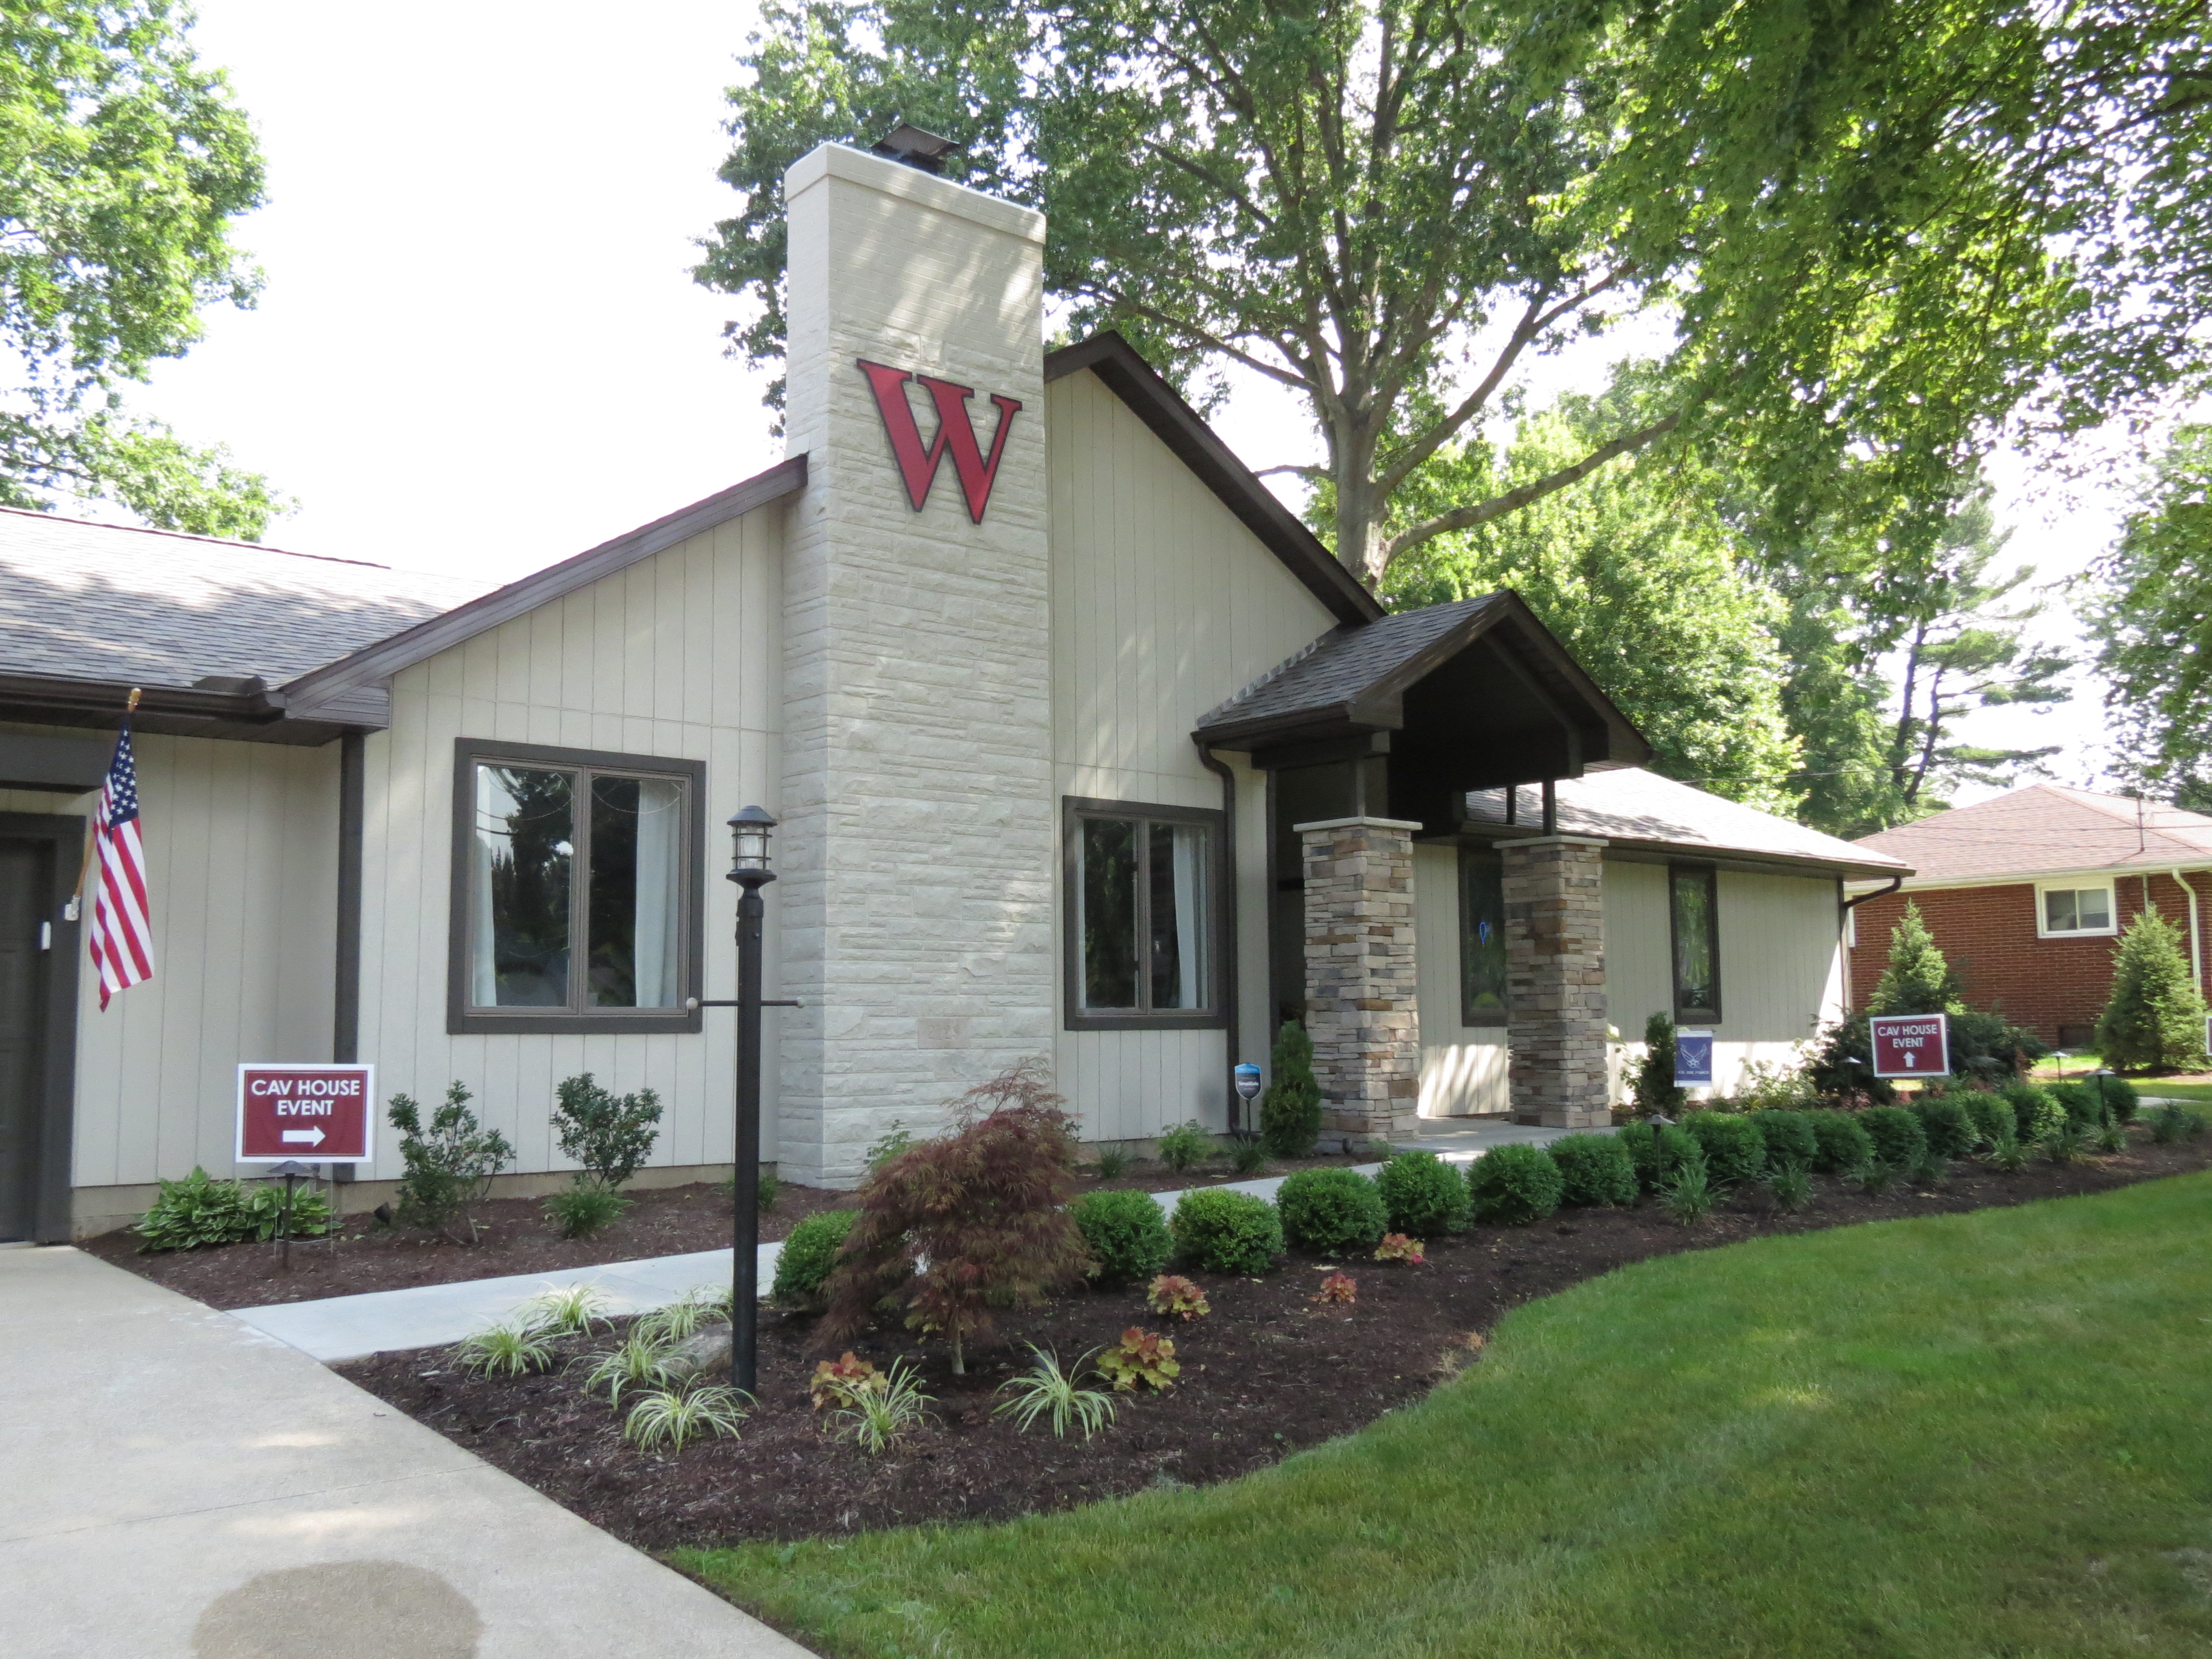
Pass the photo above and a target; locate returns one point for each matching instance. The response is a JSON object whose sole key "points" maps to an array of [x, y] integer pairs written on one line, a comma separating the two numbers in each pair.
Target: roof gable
{"points": [[2045, 829]]}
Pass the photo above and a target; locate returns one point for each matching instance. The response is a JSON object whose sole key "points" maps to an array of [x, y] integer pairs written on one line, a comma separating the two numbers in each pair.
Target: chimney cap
{"points": [[916, 148]]}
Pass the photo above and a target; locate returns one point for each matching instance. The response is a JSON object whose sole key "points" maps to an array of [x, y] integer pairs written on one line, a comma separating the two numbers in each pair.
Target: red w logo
{"points": [[917, 465]]}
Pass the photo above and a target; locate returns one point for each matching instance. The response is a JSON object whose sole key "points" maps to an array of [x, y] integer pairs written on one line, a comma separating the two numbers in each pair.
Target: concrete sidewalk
{"points": [[180, 1486]]}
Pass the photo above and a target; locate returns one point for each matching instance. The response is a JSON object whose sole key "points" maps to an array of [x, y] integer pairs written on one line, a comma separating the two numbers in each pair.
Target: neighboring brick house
{"points": [[2028, 893]]}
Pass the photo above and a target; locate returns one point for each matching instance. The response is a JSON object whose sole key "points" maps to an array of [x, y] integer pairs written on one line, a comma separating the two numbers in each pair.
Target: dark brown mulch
{"points": [[1266, 1374], [515, 1238]]}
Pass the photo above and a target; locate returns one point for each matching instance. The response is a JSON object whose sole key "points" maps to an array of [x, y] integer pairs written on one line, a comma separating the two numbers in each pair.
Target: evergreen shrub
{"points": [[1593, 1170], [1945, 1126], [447, 1163], [1423, 1196], [2084, 1106], [1290, 1111], [803, 1265], [612, 1135], [1845, 1143], [1735, 1150], [1899, 1139], [1514, 1185], [2121, 1098], [1655, 1166], [1654, 1084], [1225, 1232], [2036, 1115], [1331, 1212], [2155, 1017], [1789, 1136], [1125, 1233], [1990, 1112]]}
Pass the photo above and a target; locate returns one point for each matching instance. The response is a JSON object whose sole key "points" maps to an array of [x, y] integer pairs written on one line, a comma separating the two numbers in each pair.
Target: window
{"points": [[576, 890], [1142, 892], [1693, 900], [2072, 911], [1481, 937]]}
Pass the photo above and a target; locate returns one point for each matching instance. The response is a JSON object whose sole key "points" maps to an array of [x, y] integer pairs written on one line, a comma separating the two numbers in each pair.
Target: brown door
{"points": [[26, 953]]}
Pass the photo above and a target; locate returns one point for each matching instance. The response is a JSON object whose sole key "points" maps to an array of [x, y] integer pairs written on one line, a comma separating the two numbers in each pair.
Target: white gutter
{"points": [[2196, 939]]}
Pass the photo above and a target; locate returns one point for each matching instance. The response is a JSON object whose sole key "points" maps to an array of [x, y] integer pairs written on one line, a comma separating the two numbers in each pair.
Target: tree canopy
{"points": [[124, 163]]}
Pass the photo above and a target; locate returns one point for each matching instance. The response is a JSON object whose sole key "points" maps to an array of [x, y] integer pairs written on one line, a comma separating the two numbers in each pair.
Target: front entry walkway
{"points": [[179, 1486]]}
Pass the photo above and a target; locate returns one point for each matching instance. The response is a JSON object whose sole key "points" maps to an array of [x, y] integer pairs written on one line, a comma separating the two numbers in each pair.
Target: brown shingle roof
{"points": [[2046, 829]]}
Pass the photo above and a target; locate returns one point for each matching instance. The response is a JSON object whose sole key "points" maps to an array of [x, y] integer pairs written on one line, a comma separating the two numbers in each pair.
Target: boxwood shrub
{"points": [[1225, 1232], [1845, 1143], [1789, 1137], [1989, 1112], [1593, 1170], [807, 1257], [2082, 1103], [2035, 1114], [1899, 1139], [1674, 1145], [1514, 1184], [1950, 1132], [1125, 1233], [1423, 1196], [2119, 1095], [1735, 1151], [1330, 1211]]}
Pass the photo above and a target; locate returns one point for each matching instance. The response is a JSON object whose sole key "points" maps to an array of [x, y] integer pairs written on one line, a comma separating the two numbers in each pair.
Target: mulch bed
{"points": [[1267, 1373]]}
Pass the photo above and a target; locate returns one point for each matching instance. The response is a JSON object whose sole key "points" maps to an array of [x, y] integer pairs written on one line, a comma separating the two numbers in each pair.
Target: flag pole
{"points": [[92, 835]]}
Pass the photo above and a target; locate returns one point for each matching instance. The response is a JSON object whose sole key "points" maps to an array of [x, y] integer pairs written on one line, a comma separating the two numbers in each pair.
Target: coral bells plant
{"points": [[954, 1229], [1141, 1356], [1396, 1247], [1175, 1297], [839, 1382], [1338, 1290]]}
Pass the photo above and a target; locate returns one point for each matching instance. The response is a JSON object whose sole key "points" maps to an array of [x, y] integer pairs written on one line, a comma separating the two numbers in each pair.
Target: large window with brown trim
{"points": [[1143, 908], [576, 890], [1693, 906], [1481, 937]]}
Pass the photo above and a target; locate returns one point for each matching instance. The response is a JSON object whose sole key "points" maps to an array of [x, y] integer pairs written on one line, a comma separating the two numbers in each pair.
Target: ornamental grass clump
{"points": [[1125, 1233], [1789, 1136], [957, 1229], [1224, 1232], [884, 1412], [1688, 1195], [1735, 1150], [2172, 1123], [505, 1350], [1514, 1185], [566, 1309], [1791, 1185], [1248, 1155], [2006, 1151], [804, 1265], [1844, 1143], [639, 1361], [675, 1417], [1423, 1196], [680, 1320], [1054, 1395], [1593, 1170], [1331, 1212]]}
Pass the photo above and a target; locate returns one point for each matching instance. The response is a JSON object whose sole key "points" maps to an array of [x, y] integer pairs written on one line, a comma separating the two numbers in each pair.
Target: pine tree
{"points": [[2155, 1017], [1918, 980], [1290, 1112]]}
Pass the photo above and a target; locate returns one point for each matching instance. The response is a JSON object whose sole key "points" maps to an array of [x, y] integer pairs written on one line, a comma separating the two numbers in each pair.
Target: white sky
{"points": [[480, 349]]}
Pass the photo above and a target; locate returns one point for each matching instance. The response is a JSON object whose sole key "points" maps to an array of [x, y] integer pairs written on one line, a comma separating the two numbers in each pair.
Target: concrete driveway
{"points": [[176, 1484]]}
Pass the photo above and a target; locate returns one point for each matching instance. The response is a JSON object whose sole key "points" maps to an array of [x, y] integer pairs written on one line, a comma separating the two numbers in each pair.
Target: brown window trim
{"points": [[1211, 1017], [461, 1017], [1711, 875]]}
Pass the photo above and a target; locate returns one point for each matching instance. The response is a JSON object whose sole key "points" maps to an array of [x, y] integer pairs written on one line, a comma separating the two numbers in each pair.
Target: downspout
{"points": [[1227, 908], [2196, 939], [1844, 908], [345, 1001]]}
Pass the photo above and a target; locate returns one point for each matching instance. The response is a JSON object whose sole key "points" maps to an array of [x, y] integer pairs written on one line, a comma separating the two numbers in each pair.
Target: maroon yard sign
{"points": [[1910, 1045], [318, 1114], [956, 434]]}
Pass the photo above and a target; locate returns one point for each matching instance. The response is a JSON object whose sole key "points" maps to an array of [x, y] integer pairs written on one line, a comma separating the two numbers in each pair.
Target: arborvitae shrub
{"points": [[2035, 1113], [2154, 1017], [1845, 1143], [1988, 1111], [1789, 1138], [1514, 1185], [1423, 1196], [1735, 1150], [1655, 1168], [1330, 1211], [1944, 1123], [1593, 1170], [1654, 1082], [1289, 1111], [1899, 1139], [803, 1265], [1917, 980], [1125, 1233], [1226, 1233]]}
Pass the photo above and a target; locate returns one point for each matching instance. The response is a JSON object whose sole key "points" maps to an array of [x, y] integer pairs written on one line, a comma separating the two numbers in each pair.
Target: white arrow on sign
{"points": [[306, 1137]]}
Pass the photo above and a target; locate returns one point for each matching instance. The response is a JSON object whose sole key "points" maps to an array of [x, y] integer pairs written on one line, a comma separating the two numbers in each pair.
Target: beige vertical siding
{"points": [[1462, 1066], [675, 657], [1162, 605]]}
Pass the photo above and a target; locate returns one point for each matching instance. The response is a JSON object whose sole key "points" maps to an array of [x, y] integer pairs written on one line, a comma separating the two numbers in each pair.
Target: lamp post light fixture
{"points": [[749, 831]]}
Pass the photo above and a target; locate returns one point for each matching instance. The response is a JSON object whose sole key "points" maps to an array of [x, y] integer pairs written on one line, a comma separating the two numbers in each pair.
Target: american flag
{"points": [[122, 937]]}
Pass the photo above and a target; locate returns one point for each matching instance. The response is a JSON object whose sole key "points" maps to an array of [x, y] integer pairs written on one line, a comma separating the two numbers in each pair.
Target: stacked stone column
{"points": [[1361, 1007], [1555, 982]]}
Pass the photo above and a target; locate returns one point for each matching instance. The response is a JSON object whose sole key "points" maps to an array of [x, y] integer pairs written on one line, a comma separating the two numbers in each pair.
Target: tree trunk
{"points": [[959, 1357], [1358, 503]]}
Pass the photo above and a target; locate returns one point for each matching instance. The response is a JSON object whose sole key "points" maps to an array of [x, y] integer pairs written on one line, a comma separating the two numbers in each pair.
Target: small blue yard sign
{"points": [[1694, 1058]]}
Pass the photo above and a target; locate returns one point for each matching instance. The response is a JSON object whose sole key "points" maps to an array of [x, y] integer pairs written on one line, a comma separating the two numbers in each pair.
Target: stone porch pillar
{"points": [[1555, 1030], [1361, 1010]]}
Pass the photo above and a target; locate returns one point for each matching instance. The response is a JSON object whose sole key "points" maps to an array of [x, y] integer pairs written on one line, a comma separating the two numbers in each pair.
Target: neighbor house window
{"points": [[1142, 896], [1693, 900], [575, 891], [2067, 912], [1481, 937]]}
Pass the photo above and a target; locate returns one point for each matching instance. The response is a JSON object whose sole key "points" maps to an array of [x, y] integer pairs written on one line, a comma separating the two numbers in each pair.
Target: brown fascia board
{"points": [[48, 692], [464, 623], [1196, 445]]}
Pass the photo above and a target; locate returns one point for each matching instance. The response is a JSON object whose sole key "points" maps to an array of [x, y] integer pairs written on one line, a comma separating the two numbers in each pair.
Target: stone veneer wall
{"points": [[1362, 1007], [916, 855], [1555, 982]]}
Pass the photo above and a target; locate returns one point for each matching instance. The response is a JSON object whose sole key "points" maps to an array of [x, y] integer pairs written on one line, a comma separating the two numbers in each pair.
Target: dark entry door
{"points": [[25, 880]]}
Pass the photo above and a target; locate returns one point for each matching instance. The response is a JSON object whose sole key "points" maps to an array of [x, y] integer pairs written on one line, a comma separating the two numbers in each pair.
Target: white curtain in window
{"points": [[495, 807], [659, 860], [1190, 914]]}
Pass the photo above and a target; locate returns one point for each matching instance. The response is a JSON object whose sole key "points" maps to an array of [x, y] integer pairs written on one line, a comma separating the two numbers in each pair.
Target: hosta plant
{"points": [[1051, 1394], [1174, 1297], [884, 1413], [638, 1362], [1396, 1247], [505, 1350], [840, 1381], [1337, 1290], [675, 1417], [1141, 1356]]}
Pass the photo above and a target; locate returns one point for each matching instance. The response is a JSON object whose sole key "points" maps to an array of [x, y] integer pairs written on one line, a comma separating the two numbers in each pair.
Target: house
{"points": [[1082, 746], [2027, 893]]}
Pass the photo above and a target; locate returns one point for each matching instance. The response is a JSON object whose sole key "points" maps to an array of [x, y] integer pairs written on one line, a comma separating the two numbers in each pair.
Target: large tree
{"points": [[123, 163], [1878, 228]]}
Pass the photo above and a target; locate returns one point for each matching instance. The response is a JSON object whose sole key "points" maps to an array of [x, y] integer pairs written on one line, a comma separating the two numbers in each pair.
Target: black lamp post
{"points": [[749, 832]]}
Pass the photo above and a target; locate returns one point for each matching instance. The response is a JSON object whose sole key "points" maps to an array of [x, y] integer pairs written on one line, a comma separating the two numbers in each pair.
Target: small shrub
{"points": [[2007, 1151], [2173, 1122], [2121, 1098], [1656, 1154], [2084, 1106], [1049, 1392], [1688, 1194], [1337, 1290], [2111, 1136], [1764, 1087], [1290, 1111], [1330, 1211], [1514, 1185], [1791, 1183], [199, 1211], [1396, 1247], [1125, 1233], [2035, 1113], [675, 1417], [583, 1209], [803, 1265], [1224, 1232], [1593, 1170], [1141, 1356], [448, 1164], [1989, 1112], [565, 1310], [889, 1146], [1789, 1136], [2063, 1143], [1653, 1083], [611, 1135], [1844, 1143], [638, 1362], [1113, 1162], [679, 1322], [505, 1350], [1173, 1297], [886, 1411], [839, 1382], [1932, 1170], [1899, 1139], [1875, 1177], [1735, 1150], [1423, 1196], [1946, 1127], [1248, 1155], [1182, 1144]]}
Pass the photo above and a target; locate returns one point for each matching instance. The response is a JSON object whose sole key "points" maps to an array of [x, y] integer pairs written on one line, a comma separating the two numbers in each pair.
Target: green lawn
{"points": [[2151, 1085], [1967, 1438]]}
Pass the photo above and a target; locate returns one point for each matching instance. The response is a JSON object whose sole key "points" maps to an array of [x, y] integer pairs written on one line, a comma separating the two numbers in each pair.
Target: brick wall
{"points": [[1989, 935]]}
